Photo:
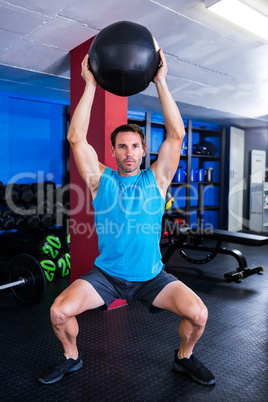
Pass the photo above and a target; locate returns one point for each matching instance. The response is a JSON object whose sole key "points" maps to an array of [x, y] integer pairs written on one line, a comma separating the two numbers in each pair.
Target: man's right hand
{"points": [[162, 70], [86, 73]]}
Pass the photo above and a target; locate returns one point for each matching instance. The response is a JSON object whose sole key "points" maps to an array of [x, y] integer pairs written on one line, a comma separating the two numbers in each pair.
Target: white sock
{"points": [[184, 357], [70, 357]]}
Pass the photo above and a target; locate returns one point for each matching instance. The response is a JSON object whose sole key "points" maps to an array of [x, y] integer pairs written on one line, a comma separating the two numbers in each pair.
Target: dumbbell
{"points": [[25, 194], [27, 280], [30, 216], [45, 219], [6, 222], [38, 192], [9, 194], [63, 194], [11, 220], [50, 191], [58, 213]]}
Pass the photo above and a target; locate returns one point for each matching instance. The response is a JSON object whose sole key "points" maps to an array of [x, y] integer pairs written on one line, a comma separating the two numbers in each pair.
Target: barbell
{"points": [[27, 279]]}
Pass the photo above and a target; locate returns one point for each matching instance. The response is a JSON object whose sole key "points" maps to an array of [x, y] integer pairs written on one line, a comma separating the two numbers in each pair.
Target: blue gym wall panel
{"points": [[33, 141], [157, 138]]}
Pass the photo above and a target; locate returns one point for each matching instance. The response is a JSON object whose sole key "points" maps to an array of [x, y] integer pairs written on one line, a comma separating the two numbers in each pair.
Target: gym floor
{"points": [[128, 352]]}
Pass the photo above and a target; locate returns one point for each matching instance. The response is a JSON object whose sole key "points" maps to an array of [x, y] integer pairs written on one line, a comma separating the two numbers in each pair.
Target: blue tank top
{"points": [[128, 221]]}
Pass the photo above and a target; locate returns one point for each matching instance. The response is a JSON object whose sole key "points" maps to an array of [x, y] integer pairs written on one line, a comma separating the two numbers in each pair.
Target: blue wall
{"points": [[32, 133]]}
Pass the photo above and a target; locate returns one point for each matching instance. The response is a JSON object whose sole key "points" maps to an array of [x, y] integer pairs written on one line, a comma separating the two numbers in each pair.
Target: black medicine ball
{"points": [[124, 58]]}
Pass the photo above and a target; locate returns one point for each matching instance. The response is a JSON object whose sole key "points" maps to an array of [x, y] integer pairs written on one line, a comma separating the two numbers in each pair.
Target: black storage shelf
{"points": [[139, 122], [158, 124], [185, 184], [204, 133], [207, 157], [184, 210]]}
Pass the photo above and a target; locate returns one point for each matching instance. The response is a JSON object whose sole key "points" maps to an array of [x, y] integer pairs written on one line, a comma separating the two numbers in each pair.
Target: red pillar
{"points": [[108, 112]]}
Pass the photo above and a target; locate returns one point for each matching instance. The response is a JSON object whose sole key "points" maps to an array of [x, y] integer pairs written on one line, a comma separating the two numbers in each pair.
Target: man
{"points": [[129, 203]]}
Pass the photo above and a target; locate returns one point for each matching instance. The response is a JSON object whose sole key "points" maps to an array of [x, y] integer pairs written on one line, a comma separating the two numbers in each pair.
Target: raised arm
{"points": [[169, 154], [85, 156]]}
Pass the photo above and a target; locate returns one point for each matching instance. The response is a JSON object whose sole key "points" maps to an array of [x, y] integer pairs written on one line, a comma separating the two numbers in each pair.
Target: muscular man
{"points": [[129, 203]]}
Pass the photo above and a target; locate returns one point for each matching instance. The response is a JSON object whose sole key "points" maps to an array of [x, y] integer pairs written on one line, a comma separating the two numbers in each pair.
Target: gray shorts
{"points": [[111, 288]]}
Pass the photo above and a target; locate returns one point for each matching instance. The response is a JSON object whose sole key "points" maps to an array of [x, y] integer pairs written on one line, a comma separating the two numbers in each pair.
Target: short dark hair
{"points": [[134, 128]]}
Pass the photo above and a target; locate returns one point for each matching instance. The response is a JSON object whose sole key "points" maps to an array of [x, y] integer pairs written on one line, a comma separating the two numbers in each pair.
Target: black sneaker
{"points": [[195, 368], [59, 369]]}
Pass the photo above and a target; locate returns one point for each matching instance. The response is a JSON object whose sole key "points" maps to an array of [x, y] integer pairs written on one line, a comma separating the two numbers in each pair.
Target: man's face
{"points": [[128, 152]]}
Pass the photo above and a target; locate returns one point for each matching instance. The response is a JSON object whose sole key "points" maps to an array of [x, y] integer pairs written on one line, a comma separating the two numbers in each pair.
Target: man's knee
{"points": [[199, 314], [59, 313], [195, 312]]}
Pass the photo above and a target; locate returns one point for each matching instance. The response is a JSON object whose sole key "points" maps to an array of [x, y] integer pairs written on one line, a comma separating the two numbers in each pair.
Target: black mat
{"points": [[128, 352]]}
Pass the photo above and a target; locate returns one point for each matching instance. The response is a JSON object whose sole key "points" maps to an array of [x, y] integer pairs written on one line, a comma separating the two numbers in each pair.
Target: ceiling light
{"points": [[241, 14]]}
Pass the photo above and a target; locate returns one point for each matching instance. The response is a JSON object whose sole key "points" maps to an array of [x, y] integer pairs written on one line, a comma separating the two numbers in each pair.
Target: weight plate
{"points": [[47, 246], [27, 267]]}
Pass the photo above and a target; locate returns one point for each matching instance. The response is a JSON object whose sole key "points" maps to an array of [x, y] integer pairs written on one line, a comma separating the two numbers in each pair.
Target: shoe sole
{"points": [[71, 370], [181, 369]]}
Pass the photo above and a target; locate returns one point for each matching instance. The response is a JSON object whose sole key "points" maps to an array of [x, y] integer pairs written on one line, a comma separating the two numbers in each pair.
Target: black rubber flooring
{"points": [[128, 352]]}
